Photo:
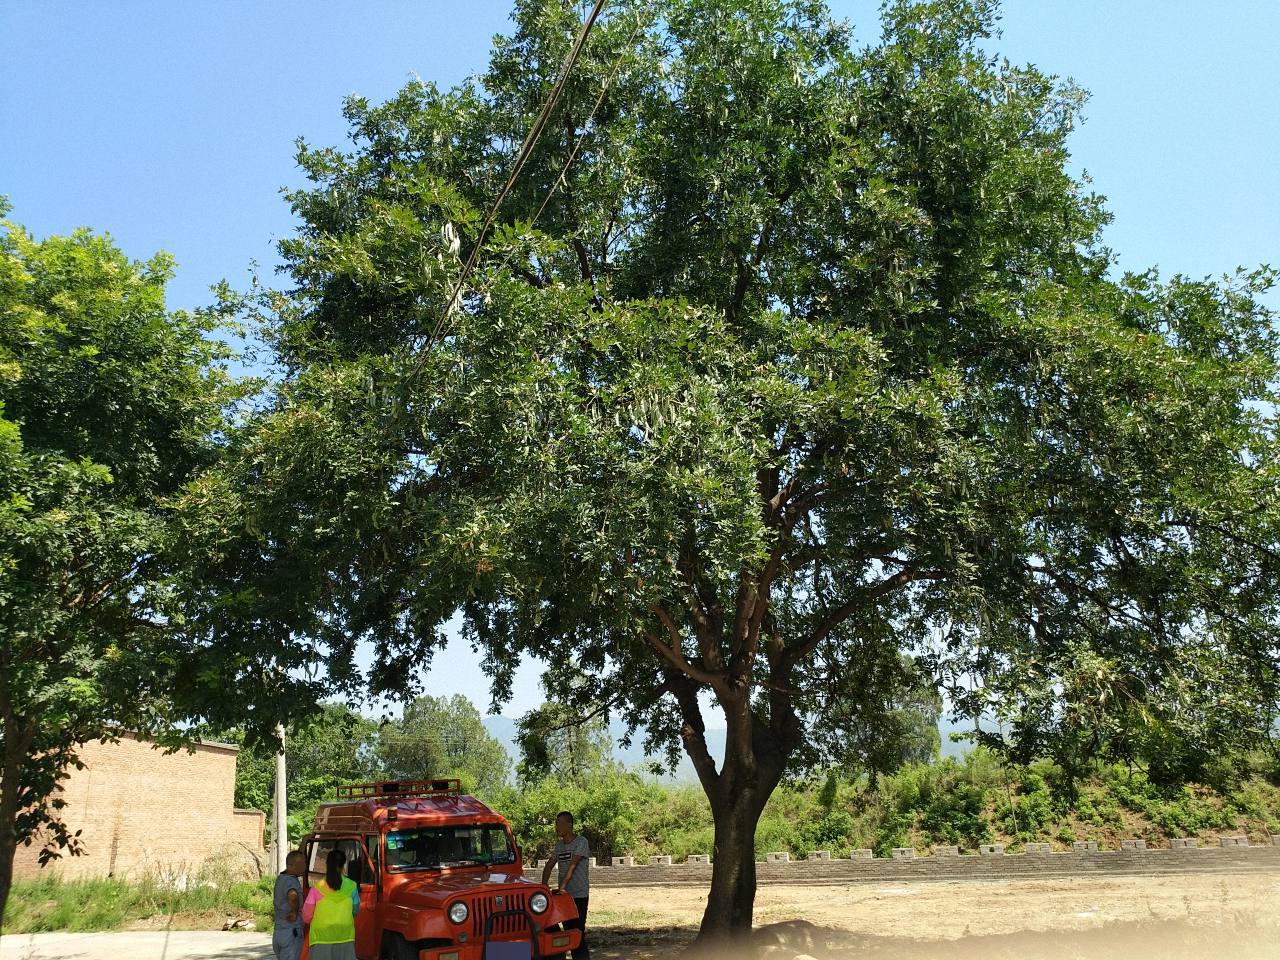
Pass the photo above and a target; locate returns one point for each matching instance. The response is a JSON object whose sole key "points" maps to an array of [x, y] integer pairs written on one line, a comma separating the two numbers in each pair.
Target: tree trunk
{"points": [[10, 786], [731, 902], [8, 848], [755, 755]]}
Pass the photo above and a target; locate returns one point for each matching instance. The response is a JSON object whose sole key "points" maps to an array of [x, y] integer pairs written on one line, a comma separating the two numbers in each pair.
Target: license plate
{"points": [[508, 951]]}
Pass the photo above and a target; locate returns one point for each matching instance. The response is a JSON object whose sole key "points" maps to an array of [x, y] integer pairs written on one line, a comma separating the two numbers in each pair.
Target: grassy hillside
{"points": [[964, 801]]}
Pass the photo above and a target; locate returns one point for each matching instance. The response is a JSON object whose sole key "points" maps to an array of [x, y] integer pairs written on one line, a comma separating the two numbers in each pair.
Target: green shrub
{"points": [[833, 830], [963, 802], [1034, 808]]}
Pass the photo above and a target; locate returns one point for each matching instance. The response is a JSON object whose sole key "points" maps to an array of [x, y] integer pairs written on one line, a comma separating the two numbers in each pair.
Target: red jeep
{"points": [[440, 876]]}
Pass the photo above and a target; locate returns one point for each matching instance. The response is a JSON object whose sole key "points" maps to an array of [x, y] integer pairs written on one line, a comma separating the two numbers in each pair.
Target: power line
{"points": [[573, 153], [526, 149]]}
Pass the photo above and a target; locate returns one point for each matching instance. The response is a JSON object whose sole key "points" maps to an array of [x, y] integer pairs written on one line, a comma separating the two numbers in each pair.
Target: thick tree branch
{"points": [[802, 503], [527, 275], [584, 262], [673, 653], [704, 606], [748, 268], [742, 644], [693, 730]]}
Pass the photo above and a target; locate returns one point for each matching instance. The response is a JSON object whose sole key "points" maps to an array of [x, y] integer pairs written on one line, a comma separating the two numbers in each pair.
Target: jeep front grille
{"points": [[484, 907]]}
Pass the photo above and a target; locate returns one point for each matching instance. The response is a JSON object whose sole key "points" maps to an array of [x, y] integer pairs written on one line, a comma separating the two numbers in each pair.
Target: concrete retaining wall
{"points": [[948, 865]]}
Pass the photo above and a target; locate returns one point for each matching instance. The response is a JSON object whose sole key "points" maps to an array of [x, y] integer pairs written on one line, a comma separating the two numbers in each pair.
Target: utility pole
{"points": [[280, 821]]}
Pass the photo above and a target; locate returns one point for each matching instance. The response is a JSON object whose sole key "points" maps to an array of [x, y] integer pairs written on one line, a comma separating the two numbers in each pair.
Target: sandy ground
{"points": [[1221, 917], [948, 911]]}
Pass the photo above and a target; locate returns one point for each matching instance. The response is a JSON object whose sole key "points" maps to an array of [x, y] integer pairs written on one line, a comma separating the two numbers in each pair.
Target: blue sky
{"points": [[171, 125]]}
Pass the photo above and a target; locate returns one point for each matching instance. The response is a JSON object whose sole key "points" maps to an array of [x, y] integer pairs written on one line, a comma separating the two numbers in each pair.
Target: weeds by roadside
{"points": [[49, 904]]}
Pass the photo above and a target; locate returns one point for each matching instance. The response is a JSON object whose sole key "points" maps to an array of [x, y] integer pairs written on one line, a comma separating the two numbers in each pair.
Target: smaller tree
{"points": [[109, 405], [879, 720], [561, 744], [443, 737]]}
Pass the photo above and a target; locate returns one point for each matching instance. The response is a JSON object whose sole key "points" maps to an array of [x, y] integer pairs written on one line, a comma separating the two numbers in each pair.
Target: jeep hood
{"points": [[435, 890]]}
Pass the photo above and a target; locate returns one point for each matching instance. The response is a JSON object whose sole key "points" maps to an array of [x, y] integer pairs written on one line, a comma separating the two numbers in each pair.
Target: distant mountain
{"points": [[504, 730]]}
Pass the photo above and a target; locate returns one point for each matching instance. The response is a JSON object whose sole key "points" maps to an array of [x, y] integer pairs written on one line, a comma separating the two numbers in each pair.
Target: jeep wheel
{"points": [[396, 947]]}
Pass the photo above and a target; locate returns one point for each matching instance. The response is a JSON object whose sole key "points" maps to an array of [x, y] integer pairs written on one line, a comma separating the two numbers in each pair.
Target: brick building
{"points": [[143, 811]]}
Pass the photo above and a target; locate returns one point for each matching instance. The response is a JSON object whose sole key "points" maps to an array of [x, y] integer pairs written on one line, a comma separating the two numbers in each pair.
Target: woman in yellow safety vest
{"points": [[330, 910]]}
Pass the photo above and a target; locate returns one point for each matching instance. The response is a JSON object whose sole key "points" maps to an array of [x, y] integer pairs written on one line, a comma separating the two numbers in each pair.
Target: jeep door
{"points": [[363, 868]]}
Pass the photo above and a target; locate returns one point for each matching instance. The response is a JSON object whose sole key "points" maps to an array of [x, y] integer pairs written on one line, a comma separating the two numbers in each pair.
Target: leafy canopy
{"points": [[435, 737], [814, 357], [109, 404]]}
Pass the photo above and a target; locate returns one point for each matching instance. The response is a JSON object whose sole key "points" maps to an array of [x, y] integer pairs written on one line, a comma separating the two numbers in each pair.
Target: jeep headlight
{"points": [[458, 912], [538, 903]]}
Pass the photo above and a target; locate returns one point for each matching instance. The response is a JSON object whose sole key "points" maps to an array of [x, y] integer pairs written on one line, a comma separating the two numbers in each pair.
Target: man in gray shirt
{"points": [[286, 938], [574, 861]]}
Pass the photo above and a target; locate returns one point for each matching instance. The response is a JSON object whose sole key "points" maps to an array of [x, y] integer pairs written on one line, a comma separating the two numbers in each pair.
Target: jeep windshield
{"points": [[432, 848]]}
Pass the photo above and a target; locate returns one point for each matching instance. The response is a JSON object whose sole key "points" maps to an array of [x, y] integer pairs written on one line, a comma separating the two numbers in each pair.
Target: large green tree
{"points": [[109, 403], [334, 745], [812, 357]]}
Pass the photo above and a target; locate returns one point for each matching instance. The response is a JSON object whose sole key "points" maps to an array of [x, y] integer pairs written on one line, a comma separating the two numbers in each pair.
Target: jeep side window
{"points": [[357, 869], [315, 868]]}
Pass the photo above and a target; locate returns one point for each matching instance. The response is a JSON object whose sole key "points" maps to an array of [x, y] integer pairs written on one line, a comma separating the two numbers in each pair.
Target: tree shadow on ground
{"points": [[640, 943]]}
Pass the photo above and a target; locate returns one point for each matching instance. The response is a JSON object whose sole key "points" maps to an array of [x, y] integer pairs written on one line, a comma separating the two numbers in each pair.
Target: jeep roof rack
{"points": [[400, 788]]}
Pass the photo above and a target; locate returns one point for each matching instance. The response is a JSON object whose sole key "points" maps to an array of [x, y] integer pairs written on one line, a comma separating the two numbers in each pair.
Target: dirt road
{"points": [[1219, 917], [149, 945]]}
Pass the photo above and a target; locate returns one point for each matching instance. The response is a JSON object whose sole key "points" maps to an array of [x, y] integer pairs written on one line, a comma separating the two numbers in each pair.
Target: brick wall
{"points": [[143, 811]]}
